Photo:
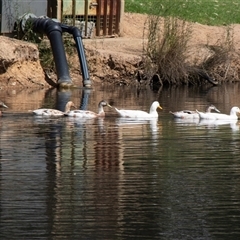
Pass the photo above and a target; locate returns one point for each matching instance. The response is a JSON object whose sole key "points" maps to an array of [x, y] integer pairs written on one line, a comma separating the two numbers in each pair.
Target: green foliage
{"points": [[45, 51], [208, 12], [46, 56]]}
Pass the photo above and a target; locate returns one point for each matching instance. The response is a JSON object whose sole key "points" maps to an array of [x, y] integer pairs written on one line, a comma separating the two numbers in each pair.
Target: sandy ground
{"points": [[130, 43]]}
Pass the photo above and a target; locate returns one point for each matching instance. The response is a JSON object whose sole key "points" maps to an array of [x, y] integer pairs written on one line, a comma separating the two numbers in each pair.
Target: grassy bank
{"points": [[208, 12], [168, 30]]}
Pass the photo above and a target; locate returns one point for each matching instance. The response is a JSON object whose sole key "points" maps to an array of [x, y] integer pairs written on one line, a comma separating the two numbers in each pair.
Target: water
{"points": [[111, 179]]}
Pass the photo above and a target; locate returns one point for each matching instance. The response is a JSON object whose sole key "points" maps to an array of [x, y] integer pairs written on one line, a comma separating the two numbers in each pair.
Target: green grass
{"points": [[208, 12]]}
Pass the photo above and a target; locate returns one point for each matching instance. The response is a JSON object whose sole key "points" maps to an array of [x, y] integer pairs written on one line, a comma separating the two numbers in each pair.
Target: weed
{"points": [[165, 52]]}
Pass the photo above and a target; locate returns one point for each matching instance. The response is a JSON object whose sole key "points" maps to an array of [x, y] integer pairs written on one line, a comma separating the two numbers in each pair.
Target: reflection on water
{"points": [[208, 123], [233, 124], [114, 178]]}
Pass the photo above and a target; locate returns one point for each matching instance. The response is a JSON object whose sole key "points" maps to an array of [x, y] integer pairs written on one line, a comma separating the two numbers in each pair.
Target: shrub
{"points": [[166, 54]]}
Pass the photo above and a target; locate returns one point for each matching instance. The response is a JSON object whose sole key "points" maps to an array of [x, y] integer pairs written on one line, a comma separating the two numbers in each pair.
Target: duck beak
{"points": [[159, 107], [109, 105], [3, 105]]}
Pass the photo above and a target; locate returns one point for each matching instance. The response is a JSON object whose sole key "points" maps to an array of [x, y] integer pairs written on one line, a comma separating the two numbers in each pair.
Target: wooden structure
{"points": [[93, 17], [102, 16]]}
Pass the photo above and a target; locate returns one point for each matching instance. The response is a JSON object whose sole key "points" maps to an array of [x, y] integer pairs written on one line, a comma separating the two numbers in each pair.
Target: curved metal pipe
{"points": [[77, 35], [54, 30], [54, 33]]}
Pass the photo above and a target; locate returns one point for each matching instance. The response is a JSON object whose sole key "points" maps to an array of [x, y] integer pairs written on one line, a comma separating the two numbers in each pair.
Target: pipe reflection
{"points": [[106, 157], [73, 146], [62, 98], [65, 95]]}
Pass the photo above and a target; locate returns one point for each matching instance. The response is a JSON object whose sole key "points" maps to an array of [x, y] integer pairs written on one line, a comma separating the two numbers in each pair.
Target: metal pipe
{"points": [[81, 54], [54, 33]]}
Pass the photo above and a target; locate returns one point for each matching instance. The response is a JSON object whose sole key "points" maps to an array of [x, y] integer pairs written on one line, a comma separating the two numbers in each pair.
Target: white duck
{"points": [[53, 112], [220, 116], [88, 114], [187, 114], [140, 114]]}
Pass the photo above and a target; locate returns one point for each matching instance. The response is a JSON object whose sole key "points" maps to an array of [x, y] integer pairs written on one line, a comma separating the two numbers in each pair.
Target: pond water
{"points": [[63, 178]]}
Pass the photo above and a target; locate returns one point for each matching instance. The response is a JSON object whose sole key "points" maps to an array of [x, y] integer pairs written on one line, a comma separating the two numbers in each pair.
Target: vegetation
{"points": [[46, 55], [165, 51], [168, 30], [208, 12]]}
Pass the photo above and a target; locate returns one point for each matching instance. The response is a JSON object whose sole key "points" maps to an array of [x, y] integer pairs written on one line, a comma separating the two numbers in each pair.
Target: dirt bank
{"points": [[117, 59], [113, 59]]}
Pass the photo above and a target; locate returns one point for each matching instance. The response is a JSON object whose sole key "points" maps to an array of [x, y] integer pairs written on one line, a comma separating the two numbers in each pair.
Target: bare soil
{"points": [[116, 59]]}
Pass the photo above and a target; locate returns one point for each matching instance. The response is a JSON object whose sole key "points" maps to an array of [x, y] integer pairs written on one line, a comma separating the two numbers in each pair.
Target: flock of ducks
{"points": [[211, 113], [136, 114], [86, 114]]}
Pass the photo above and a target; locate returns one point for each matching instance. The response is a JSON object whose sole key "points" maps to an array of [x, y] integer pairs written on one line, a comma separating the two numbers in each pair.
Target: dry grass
{"points": [[165, 55]]}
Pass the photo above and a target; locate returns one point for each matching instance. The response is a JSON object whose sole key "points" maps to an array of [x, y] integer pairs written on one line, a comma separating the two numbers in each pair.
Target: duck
{"points": [[53, 112], [220, 116], [139, 113], [187, 114], [2, 105], [89, 114]]}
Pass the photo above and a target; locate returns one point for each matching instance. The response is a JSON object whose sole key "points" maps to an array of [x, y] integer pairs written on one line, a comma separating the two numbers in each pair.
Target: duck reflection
{"points": [[85, 162], [234, 124], [141, 124], [81, 155], [186, 121], [127, 122]]}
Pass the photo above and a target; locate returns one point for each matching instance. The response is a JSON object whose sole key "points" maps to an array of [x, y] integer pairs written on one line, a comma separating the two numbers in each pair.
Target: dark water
{"points": [[111, 179]]}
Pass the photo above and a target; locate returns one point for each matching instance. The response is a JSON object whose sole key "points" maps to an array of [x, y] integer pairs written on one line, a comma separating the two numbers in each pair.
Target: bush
{"points": [[166, 49]]}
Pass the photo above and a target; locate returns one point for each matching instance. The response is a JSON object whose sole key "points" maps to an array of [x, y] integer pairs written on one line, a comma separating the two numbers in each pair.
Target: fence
{"points": [[93, 17]]}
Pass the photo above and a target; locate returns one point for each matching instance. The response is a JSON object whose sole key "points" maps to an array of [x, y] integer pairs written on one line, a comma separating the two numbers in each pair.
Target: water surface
{"points": [[63, 178]]}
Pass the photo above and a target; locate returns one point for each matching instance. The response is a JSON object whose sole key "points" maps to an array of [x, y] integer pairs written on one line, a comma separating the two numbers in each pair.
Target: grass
{"points": [[208, 12]]}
